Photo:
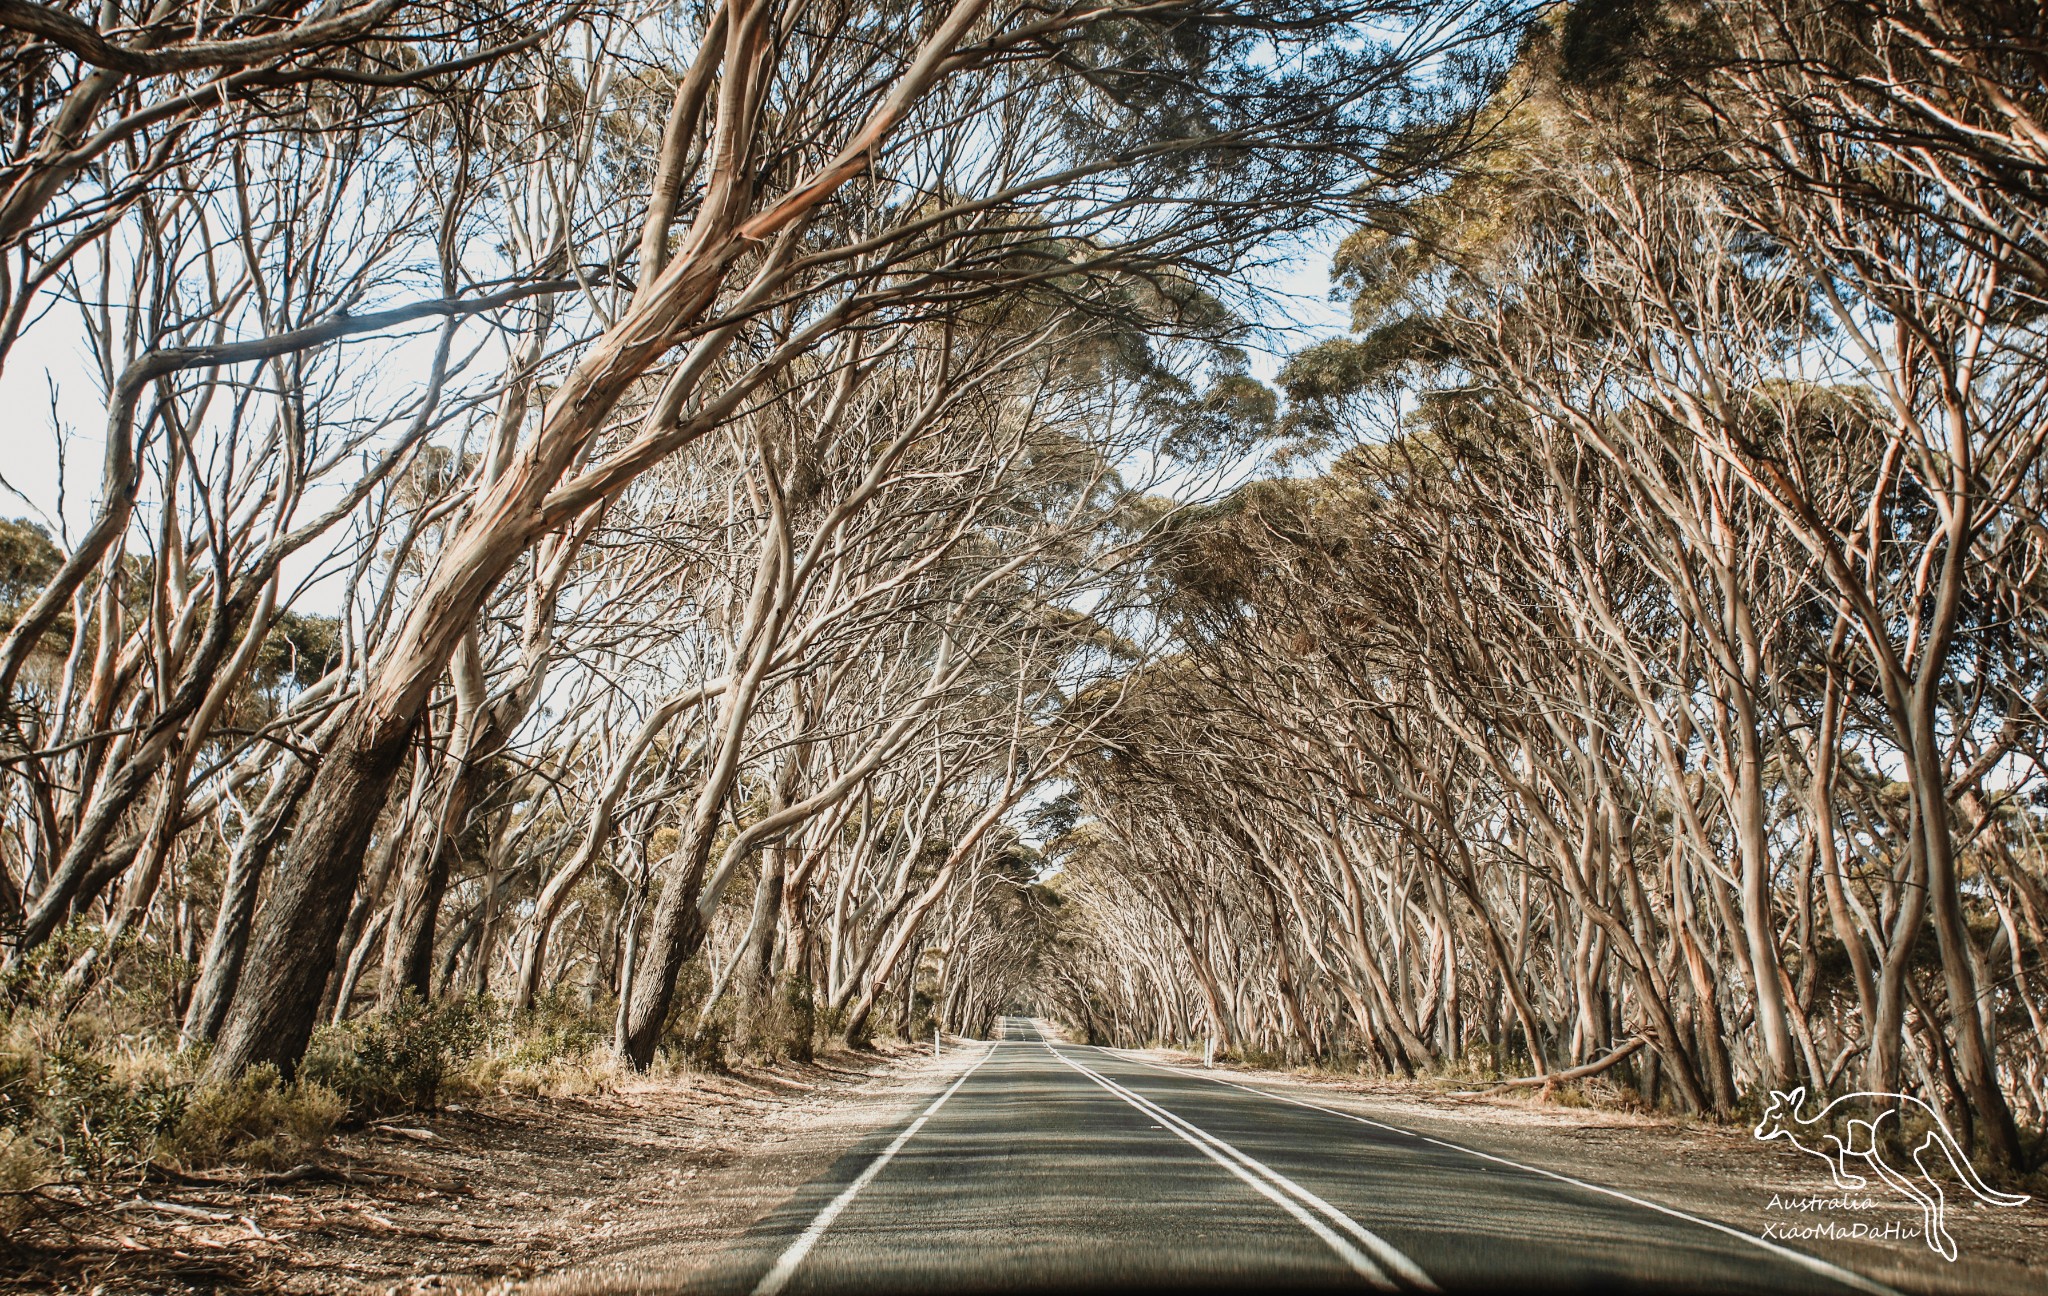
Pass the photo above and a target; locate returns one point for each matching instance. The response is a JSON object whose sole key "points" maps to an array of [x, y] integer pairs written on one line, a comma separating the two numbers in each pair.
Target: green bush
{"points": [[915, 1028], [24, 1167], [256, 1120], [396, 1059], [1253, 1056], [558, 1047], [557, 1027], [705, 1049], [791, 1021], [78, 1094], [89, 1119]]}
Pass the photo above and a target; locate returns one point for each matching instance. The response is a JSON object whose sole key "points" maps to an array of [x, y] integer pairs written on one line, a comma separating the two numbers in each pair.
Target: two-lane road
{"points": [[1051, 1166]]}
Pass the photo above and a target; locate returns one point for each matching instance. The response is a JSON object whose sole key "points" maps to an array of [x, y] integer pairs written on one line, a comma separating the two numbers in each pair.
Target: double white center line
{"points": [[1368, 1254]]}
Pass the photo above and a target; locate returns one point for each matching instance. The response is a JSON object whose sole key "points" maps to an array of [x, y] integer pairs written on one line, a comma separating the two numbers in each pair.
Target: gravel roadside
{"points": [[490, 1191], [1717, 1172]]}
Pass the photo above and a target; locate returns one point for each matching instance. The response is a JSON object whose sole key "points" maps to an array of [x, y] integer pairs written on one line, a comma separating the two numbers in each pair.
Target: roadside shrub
{"points": [[559, 1047], [257, 1120], [915, 1027], [558, 1026], [34, 987], [396, 1059], [787, 1021], [1480, 1062], [86, 1115], [24, 1167], [83, 1089], [705, 1049]]}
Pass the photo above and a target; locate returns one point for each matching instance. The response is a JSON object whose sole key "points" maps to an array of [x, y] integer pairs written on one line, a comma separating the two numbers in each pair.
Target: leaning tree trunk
{"points": [[679, 926], [854, 1028], [271, 1017], [416, 908], [221, 967], [597, 833], [672, 937], [1976, 1065], [753, 964]]}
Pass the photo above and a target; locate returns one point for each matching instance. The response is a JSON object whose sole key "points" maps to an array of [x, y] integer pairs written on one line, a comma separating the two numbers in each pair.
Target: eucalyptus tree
{"points": [[804, 189], [1766, 314], [130, 134], [1644, 597], [250, 469]]}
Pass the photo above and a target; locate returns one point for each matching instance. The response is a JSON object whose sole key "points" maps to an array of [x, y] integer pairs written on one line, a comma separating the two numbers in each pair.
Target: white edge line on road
{"points": [[1847, 1277], [1215, 1149], [778, 1276]]}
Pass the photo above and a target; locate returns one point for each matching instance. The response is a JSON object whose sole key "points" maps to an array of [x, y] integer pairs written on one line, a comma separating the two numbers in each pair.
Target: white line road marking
{"points": [[777, 1277], [1847, 1277], [1281, 1191]]}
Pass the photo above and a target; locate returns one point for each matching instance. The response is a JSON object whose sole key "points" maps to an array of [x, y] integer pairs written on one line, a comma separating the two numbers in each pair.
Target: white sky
{"points": [[48, 388]]}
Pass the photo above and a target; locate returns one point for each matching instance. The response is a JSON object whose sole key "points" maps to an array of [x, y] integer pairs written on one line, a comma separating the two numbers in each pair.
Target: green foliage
{"points": [[795, 1017], [75, 1105], [27, 561], [95, 1091], [1639, 47], [1234, 414], [89, 1099], [922, 1019], [1486, 1061], [776, 1020], [24, 1167], [1252, 1055], [556, 1027], [705, 1049], [33, 987], [256, 1120], [396, 1059], [299, 649], [556, 1047]]}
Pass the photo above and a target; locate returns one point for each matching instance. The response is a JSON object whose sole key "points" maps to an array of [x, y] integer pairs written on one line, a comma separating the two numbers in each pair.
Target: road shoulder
{"points": [[679, 1211], [496, 1188], [1716, 1172]]}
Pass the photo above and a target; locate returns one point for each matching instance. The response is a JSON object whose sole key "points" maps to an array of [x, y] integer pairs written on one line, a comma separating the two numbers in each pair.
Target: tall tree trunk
{"points": [[1976, 1068], [671, 938], [221, 967], [422, 883], [272, 1014]]}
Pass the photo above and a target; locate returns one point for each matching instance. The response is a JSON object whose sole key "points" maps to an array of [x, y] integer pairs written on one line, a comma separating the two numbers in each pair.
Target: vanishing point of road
{"points": [[1048, 1166]]}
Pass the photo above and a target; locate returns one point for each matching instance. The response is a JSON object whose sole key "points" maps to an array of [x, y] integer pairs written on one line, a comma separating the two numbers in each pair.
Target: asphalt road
{"points": [[1057, 1167]]}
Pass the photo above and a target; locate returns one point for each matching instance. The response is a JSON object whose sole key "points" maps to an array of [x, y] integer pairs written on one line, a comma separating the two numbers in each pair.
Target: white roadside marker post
{"points": [[1209, 1053], [935, 1041]]}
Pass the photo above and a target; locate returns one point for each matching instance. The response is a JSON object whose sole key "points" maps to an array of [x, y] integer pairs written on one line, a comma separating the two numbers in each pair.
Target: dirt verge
{"points": [[489, 1192], [1720, 1173]]}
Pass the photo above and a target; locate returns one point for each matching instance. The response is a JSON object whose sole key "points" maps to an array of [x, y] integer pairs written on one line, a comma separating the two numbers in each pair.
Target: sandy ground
{"points": [[485, 1194], [1719, 1173]]}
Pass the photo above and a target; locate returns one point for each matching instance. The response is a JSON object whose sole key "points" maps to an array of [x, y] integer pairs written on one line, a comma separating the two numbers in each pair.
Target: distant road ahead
{"points": [[1060, 1167]]}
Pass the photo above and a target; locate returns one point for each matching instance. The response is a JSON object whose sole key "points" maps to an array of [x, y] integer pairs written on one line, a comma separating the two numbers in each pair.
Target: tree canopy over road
{"points": [[1650, 674], [705, 516]]}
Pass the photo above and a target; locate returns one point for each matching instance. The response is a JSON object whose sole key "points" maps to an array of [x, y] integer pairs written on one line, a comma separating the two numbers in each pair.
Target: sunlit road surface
{"points": [[1058, 1167]]}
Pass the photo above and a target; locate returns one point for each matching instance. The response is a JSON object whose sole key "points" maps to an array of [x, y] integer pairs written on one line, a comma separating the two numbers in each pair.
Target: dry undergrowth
{"points": [[489, 1190]]}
